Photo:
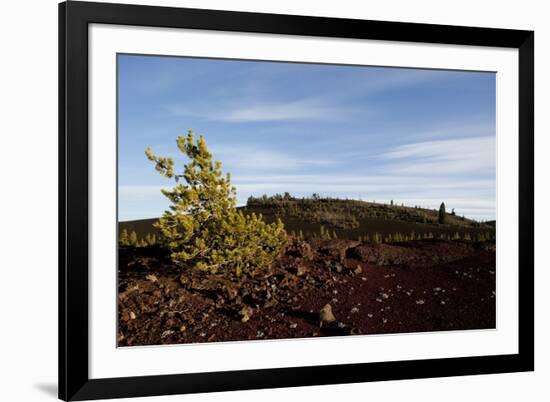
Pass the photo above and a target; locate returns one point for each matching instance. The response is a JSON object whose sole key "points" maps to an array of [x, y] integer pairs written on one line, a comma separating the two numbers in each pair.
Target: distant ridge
{"points": [[382, 218]]}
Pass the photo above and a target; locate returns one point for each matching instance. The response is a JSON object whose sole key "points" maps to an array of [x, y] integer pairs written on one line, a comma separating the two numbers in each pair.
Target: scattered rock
{"points": [[326, 315], [245, 313], [301, 270], [185, 280], [166, 333]]}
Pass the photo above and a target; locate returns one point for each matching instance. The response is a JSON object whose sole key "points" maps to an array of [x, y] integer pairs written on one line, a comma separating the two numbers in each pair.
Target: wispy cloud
{"points": [[455, 128], [444, 157], [256, 111], [258, 158], [330, 103], [384, 80]]}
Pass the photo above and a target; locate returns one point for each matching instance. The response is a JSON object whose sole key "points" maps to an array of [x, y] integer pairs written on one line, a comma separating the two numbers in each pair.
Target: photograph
{"points": [[262, 199]]}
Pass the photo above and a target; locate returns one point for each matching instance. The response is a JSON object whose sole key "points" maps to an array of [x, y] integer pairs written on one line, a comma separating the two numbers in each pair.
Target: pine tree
{"points": [[203, 228], [133, 238], [124, 239], [442, 215]]}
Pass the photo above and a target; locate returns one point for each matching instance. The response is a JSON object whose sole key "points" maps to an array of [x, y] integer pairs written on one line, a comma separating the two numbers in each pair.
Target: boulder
{"points": [[337, 248], [300, 249], [362, 252]]}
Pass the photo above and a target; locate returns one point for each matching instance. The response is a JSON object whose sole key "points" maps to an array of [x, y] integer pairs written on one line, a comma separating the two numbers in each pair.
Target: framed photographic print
{"points": [[257, 200]]}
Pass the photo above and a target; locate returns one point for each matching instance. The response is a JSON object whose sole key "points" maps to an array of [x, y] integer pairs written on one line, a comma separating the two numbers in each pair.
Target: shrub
{"points": [[203, 228]]}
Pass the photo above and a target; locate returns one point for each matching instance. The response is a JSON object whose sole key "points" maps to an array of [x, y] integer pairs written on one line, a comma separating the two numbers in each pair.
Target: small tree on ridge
{"points": [[442, 214]]}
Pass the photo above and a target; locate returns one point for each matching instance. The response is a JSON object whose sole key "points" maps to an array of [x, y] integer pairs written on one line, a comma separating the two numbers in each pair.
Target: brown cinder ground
{"points": [[417, 286]]}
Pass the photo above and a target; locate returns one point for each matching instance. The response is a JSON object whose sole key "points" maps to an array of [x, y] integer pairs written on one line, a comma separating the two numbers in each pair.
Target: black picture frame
{"points": [[74, 381]]}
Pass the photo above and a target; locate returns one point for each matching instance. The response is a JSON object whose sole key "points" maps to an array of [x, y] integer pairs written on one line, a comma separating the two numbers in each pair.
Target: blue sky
{"points": [[416, 136]]}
